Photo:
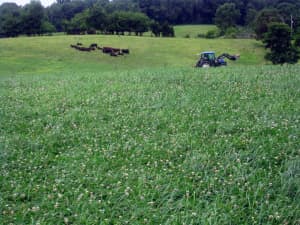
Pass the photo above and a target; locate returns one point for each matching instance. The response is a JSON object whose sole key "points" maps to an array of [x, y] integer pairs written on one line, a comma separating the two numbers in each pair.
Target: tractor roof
{"points": [[209, 52]]}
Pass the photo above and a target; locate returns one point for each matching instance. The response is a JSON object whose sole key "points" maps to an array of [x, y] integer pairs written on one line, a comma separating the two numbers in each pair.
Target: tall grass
{"points": [[150, 146]]}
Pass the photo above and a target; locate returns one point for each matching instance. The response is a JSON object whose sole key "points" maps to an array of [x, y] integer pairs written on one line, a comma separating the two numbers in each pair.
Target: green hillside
{"points": [[53, 54]]}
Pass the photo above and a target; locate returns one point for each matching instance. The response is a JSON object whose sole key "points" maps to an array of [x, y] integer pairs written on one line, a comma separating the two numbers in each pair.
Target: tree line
{"points": [[78, 17], [139, 16]]}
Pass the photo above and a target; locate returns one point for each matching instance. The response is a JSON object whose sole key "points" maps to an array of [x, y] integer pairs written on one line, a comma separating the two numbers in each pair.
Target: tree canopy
{"points": [[278, 40], [263, 19], [33, 18], [227, 16]]}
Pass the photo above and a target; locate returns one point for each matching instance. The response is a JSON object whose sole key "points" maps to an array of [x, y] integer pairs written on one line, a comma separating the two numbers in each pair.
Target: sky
{"points": [[23, 2]]}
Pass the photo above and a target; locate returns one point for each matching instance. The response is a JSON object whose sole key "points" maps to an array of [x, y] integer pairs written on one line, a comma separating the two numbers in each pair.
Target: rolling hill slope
{"points": [[52, 54]]}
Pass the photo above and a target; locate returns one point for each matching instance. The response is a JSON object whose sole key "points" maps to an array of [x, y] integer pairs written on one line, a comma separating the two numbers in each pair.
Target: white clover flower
{"points": [[66, 220]]}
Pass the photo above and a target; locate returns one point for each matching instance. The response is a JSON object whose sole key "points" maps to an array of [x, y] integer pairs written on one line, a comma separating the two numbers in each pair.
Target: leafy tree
{"points": [[124, 22], [155, 28], [56, 16], [140, 23], [47, 27], [10, 18], [167, 30], [263, 19], [97, 18], [227, 16], [250, 17], [117, 23], [278, 40], [122, 5], [286, 9], [179, 11], [64, 10], [121, 22], [10, 27], [78, 24], [297, 41], [32, 18], [70, 9]]}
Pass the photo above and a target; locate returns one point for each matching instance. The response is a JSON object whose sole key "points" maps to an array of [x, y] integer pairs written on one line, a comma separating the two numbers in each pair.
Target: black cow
{"points": [[110, 49], [84, 49], [93, 45], [125, 51], [113, 53]]}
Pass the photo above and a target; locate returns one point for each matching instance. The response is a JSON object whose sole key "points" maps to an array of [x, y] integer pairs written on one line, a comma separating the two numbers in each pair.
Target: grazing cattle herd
{"points": [[107, 50]]}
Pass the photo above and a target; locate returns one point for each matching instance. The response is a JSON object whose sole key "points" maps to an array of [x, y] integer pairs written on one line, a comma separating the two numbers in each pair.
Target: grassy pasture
{"points": [[90, 139], [192, 30], [53, 54]]}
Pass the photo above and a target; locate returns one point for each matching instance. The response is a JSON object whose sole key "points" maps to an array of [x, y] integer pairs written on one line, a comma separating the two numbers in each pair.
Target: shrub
{"points": [[231, 32], [91, 31], [167, 30], [297, 41], [213, 34], [201, 35]]}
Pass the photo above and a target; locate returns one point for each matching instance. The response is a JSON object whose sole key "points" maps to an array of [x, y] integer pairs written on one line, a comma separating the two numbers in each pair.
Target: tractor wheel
{"points": [[205, 65]]}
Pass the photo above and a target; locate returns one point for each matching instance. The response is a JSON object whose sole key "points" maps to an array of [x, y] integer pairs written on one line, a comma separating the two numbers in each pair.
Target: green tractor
{"points": [[209, 59]]}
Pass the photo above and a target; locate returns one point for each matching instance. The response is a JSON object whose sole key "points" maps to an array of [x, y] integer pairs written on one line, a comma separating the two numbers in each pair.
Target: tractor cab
{"points": [[210, 56], [207, 59]]}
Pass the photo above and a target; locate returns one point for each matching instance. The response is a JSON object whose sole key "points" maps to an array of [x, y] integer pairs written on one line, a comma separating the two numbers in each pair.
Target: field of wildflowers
{"points": [[151, 146]]}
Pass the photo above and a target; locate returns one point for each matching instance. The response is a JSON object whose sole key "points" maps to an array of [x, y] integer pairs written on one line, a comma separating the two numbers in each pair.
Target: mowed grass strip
{"points": [[39, 55], [151, 146]]}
